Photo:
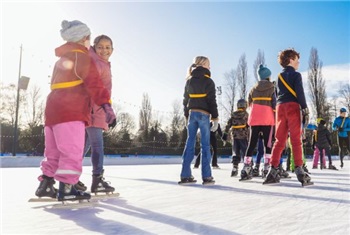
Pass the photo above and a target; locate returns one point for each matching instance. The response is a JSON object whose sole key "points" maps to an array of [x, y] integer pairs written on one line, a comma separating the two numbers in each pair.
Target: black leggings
{"points": [[254, 136]]}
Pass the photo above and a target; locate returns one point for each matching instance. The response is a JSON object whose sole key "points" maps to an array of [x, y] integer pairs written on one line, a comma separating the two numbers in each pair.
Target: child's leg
{"points": [[315, 158]]}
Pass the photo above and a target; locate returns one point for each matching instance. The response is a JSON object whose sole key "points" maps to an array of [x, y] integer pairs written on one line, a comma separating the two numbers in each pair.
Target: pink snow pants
{"points": [[317, 156], [64, 146]]}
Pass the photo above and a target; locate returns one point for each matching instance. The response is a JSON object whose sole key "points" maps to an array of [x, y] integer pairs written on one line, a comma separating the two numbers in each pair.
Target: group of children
{"points": [[278, 118]]}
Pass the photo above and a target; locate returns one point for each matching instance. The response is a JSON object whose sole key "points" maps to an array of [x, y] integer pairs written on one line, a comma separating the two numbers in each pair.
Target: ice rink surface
{"points": [[151, 202]]}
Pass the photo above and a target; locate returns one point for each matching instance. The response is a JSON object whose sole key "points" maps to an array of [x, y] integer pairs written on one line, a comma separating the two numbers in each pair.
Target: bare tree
{"points": [[177, 124], [242, 77], [145, 116], [260, 59], [230, 92], [35, 107], [8, 103], [316, 84], [345, 95]]}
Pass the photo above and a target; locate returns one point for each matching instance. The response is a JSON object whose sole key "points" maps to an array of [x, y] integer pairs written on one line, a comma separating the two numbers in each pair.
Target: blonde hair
{"points": [[197, 61]]}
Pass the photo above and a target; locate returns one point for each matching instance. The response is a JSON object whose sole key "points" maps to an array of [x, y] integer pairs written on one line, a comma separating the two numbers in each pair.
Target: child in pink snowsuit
{"points": [[75, 80]]}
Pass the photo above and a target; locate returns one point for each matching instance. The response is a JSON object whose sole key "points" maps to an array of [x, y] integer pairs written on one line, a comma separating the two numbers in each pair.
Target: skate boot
{"points": [[100, 186], [80, 186], [208, 181], [246, 173], [234, 171], [305, 169], [187, 180], [303, 177], [46, 188], [256, 170], [283, 173], [67, 192], [332, 167], [273, 176], [265, 171]]}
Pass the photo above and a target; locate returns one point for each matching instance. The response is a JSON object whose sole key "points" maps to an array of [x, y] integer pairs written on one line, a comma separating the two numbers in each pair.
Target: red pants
{"points": [[288, 121]]}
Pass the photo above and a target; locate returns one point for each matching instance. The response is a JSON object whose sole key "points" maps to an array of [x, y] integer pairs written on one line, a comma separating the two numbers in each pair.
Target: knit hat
{"points": [[343, 110], [73, 31], [263, 72]]}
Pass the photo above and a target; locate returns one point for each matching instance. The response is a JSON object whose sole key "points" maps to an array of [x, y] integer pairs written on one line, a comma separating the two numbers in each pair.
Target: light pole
{"points": [[22, 84]]}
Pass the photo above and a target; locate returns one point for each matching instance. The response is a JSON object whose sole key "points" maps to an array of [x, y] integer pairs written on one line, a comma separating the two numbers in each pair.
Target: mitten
{"points": [[215, 125], [110, 115], [305, 114]]}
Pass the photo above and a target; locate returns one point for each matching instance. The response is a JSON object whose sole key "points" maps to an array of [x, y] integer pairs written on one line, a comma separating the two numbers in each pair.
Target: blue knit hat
{"points": [[73, 31], [343, 110], [263, 72]]}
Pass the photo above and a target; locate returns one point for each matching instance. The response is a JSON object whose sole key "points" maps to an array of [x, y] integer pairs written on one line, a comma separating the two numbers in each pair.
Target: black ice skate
{"points": [[208, 181], [273, 176], [265, 171], [234, 171], [100, 186], [187, 180], [67, 192], [46, 188], [256, 170], [246, 173], [283, 173], [80, 186], [303, 177], [332, 167]]}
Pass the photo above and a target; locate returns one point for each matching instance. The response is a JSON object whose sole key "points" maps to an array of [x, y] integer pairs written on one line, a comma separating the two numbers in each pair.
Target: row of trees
{"points": [[150, 137]]}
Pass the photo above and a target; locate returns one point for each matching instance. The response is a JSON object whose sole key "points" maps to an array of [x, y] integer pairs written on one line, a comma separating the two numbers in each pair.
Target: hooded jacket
{"points": [[200, 93], [75, 80], [262, 102], [322, 137], [98, 115], [343, 122]]}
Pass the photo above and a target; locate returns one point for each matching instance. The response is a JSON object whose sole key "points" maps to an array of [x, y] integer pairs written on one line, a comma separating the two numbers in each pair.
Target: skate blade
{"points": [[307, 184], [42, 199], [208, 184], [271, 183], [188, 183], [96, 197]]}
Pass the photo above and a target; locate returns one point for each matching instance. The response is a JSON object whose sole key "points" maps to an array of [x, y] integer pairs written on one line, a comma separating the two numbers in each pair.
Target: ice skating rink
{"points": [[151, 202]]}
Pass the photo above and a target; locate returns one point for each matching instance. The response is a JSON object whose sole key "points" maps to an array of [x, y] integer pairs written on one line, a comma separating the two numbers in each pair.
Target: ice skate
{"points": [[284, 174], [46, 188], [305, 169], [80, 186], [265, 171], [234, 171], [303, 177], [246, 173], [67, 192], [208, 181], [215, 167], [100, 186], [332, 167], [187, 180], [256, 170], [273, 176]]}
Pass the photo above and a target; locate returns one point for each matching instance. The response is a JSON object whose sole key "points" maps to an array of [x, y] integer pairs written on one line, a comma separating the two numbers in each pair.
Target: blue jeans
{"points": [[201, 121], [94, 139]]}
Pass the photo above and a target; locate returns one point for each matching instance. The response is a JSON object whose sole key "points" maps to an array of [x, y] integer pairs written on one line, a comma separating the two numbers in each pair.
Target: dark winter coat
{"points": [[294, 80], [200, 93], [238, 123], [322, 137]]}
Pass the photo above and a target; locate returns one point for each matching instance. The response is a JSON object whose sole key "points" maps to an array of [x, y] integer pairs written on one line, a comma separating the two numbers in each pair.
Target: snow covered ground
{"points": [[151, 202]]}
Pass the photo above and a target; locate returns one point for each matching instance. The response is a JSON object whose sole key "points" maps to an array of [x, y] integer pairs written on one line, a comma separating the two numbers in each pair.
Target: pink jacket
{"points": [[98, 116]]}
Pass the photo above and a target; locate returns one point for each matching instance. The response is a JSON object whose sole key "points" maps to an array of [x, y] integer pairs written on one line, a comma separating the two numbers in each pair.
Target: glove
{"points": [[305, 114], [186, 122], [215, 125], [110, 115], [340, 129], [113, 124]]}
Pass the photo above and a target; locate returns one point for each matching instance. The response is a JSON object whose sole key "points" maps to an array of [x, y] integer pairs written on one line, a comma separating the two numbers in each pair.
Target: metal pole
{"points": [[17, 107]]}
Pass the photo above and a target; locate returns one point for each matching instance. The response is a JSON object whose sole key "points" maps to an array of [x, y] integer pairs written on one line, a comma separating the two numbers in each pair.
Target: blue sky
{"points": [[155, 42]]}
